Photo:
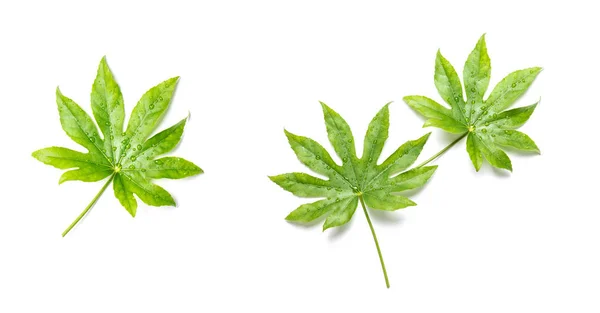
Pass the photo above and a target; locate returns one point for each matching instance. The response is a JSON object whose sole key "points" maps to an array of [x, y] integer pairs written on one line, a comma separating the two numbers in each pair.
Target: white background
{"points": [[477, 242]]}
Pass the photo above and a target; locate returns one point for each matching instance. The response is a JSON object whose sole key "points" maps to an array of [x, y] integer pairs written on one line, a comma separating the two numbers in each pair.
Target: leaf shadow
{"points": [[337, 233], [387, 218]]}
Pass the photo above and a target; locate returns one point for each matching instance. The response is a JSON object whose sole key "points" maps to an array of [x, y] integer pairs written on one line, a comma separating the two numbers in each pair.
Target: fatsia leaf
{"points": [[486, 123], [365, 180], [128, 158]]}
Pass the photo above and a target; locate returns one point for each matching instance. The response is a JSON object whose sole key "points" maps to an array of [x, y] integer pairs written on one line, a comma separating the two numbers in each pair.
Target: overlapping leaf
{"points": [[488, 124], [356, 177], [128, 158]]}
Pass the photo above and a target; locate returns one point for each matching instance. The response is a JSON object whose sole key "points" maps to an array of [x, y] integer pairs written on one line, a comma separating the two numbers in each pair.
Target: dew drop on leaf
{"points": [[92, 139], [132, 166], [514, 85], [143, 170], [139, 147], [484, 130], [133, 158], [157, 162], [151, 106], [472, 89]]}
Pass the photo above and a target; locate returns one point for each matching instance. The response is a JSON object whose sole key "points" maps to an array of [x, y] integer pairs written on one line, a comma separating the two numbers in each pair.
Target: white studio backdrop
{"points": [[477, 242]]}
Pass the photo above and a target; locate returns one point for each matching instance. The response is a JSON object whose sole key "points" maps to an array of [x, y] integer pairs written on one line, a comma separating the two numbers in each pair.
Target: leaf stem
{"points": [[435, 156], [362, 202], [89, 206]]}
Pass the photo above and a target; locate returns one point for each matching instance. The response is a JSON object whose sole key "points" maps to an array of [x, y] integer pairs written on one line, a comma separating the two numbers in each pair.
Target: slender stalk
{"points": [[362, 202], [89, 206], [435, 156]]}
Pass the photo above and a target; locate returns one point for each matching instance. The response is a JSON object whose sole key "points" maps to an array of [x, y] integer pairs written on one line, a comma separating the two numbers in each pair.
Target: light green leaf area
{"points": [[488, 124], [378, 184], [128, 157]]}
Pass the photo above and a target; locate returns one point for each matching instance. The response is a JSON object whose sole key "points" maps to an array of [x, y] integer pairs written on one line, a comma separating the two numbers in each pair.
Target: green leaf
{"points": [[127, 158], [356, 179], [488, 123]]}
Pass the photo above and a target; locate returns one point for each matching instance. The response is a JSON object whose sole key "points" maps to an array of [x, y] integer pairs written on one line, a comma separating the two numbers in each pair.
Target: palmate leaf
{"points": [[364, 180], [128, 158], [487, 124]]}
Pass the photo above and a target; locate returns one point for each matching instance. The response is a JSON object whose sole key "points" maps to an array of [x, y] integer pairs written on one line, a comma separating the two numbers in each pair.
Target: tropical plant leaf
{"points": [[128, 158], [365, 180], [486, 123]]}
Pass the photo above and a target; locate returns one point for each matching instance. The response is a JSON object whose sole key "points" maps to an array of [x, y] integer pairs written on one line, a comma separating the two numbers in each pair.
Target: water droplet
{"points": [[472, 89], [114, 148], [107, 123], [507, 132], [139, 147], [375, 141], [493, 135], [132, 166], [472, 101], [487, 123], [160, 98], [128, 146], [494, 115], [143, 170], [123, 141], [514, 85], [349, 140], [337, 200], [345, 159], [484, 130], [318, 157], [531, 71], [472, 111], [157, 162], [134, 149], [92, 139], [123, 134], [328, 188], [370, 159], [456, 99], [133, 158], [112, 137], [151, 106], [154, 145], [483, 108]]}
